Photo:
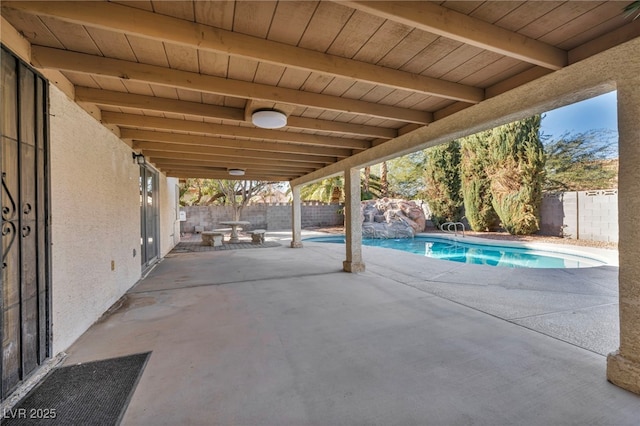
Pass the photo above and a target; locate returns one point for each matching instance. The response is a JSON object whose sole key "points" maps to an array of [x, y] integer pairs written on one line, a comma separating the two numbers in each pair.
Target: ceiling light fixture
{"points": [[269, 119], [236, 172]]}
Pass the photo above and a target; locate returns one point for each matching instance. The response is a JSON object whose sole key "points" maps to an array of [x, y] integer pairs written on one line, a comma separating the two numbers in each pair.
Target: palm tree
{"points": [[370, 187], [384, 181], [631, 9], [327, 190], [331, 190], [367, 176]]}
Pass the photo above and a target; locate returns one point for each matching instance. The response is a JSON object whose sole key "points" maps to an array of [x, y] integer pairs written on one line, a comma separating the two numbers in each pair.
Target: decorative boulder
{"points": [[391, 218]]}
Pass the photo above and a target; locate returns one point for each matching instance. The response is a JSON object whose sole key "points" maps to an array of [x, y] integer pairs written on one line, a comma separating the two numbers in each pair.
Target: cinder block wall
{"points": [[552, 214], [598, 215], [586, 215], [591, 215], [262, 216]]}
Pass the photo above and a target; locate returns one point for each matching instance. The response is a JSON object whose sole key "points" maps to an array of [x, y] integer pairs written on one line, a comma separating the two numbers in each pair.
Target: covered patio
{"points": [[178, 83], [296, 341]]}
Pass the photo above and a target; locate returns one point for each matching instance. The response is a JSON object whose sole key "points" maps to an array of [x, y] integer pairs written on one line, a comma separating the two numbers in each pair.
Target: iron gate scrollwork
{"points": [[8, 215], [24, 273]]}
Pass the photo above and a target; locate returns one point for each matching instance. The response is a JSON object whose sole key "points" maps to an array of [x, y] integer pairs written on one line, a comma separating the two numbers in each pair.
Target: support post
{"points": [[352, 222], [296, 218], [623, 366]]}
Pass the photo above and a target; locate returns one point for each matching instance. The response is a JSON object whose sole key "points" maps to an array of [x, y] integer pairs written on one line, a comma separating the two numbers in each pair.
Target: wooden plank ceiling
{"points": [[180, 79]]}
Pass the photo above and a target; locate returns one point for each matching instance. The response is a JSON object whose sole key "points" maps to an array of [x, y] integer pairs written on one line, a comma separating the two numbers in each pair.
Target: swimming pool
{"points": [[476, 253]]}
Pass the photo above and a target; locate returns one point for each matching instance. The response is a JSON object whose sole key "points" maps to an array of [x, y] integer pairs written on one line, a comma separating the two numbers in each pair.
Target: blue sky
{"points": [[595, 113]]}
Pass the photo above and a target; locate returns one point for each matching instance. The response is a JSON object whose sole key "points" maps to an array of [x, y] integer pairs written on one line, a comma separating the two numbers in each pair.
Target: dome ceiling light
{"points": [[269, 119], [236, 172]]}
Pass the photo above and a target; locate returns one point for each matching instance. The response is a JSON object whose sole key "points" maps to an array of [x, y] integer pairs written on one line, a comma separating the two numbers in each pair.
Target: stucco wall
{"points": [[95, 219], [169, 214]]}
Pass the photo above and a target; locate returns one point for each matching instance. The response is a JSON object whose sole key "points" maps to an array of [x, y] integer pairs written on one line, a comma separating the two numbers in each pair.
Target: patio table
{"points": [[234, 228]]}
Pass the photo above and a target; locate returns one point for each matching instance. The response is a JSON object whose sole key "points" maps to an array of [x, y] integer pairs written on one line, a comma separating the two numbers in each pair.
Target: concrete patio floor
{"points": [[281, 336]]}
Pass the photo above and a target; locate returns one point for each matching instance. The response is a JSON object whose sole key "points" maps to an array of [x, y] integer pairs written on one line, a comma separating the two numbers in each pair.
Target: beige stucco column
{"points": [[623, 366], [296, 218], [352, 221]]}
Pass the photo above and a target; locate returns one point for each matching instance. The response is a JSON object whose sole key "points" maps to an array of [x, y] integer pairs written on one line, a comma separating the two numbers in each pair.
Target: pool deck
{"points": [[281, 336]]}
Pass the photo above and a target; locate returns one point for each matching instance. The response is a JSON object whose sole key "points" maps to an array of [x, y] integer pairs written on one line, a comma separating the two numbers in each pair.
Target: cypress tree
{"points": [[442, 180], [476, 185], [516, 171]]}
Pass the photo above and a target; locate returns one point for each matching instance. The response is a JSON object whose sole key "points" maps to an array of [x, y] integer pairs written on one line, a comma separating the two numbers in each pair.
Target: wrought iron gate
{"points": [[24, 281]]}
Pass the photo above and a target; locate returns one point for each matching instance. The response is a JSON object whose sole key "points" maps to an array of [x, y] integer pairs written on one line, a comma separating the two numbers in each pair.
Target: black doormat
{"points": [[93, 393]]}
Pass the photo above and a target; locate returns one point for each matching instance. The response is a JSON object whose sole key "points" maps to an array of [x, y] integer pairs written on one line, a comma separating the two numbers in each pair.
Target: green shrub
{"points": [[475, 183], [516, 170], [442, 180]]}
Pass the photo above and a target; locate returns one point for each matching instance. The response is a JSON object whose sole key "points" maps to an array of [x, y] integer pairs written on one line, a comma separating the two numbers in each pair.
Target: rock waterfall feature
{"points": [[391, 218]]}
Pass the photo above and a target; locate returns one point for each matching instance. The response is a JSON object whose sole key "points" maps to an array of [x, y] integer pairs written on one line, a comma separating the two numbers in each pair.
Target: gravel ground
{"points": [[506, 236]]}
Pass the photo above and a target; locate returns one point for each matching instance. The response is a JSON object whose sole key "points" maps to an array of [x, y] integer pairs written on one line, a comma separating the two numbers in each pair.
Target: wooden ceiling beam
{"points": [[209, 141], [343, 128], [47, 57], [133, 120], [246, 169], [119, 18], [517, 80], [436, 19], [606, 41], [187, 174], [228, 152], [256, 170], [166, 163], [224, 161], [152, 103]]}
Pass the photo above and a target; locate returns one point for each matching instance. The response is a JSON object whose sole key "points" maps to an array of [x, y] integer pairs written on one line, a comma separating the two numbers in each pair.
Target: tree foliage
{"points": [[371, 187], [198, 192], [234, 193], [406, 175], [442, 180], [327, 190], [578, 162], [238, 193], [331, 190], [475, 183], [632, 10], [516, 170]]}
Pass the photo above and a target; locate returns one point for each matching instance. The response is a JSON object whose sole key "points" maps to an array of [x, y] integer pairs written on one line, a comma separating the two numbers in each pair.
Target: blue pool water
{"points": [[456, 251]]}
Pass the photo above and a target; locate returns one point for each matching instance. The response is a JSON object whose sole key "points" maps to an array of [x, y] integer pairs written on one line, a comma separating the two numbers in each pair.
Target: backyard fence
{"points": [[262, 216], [586, 215]]}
